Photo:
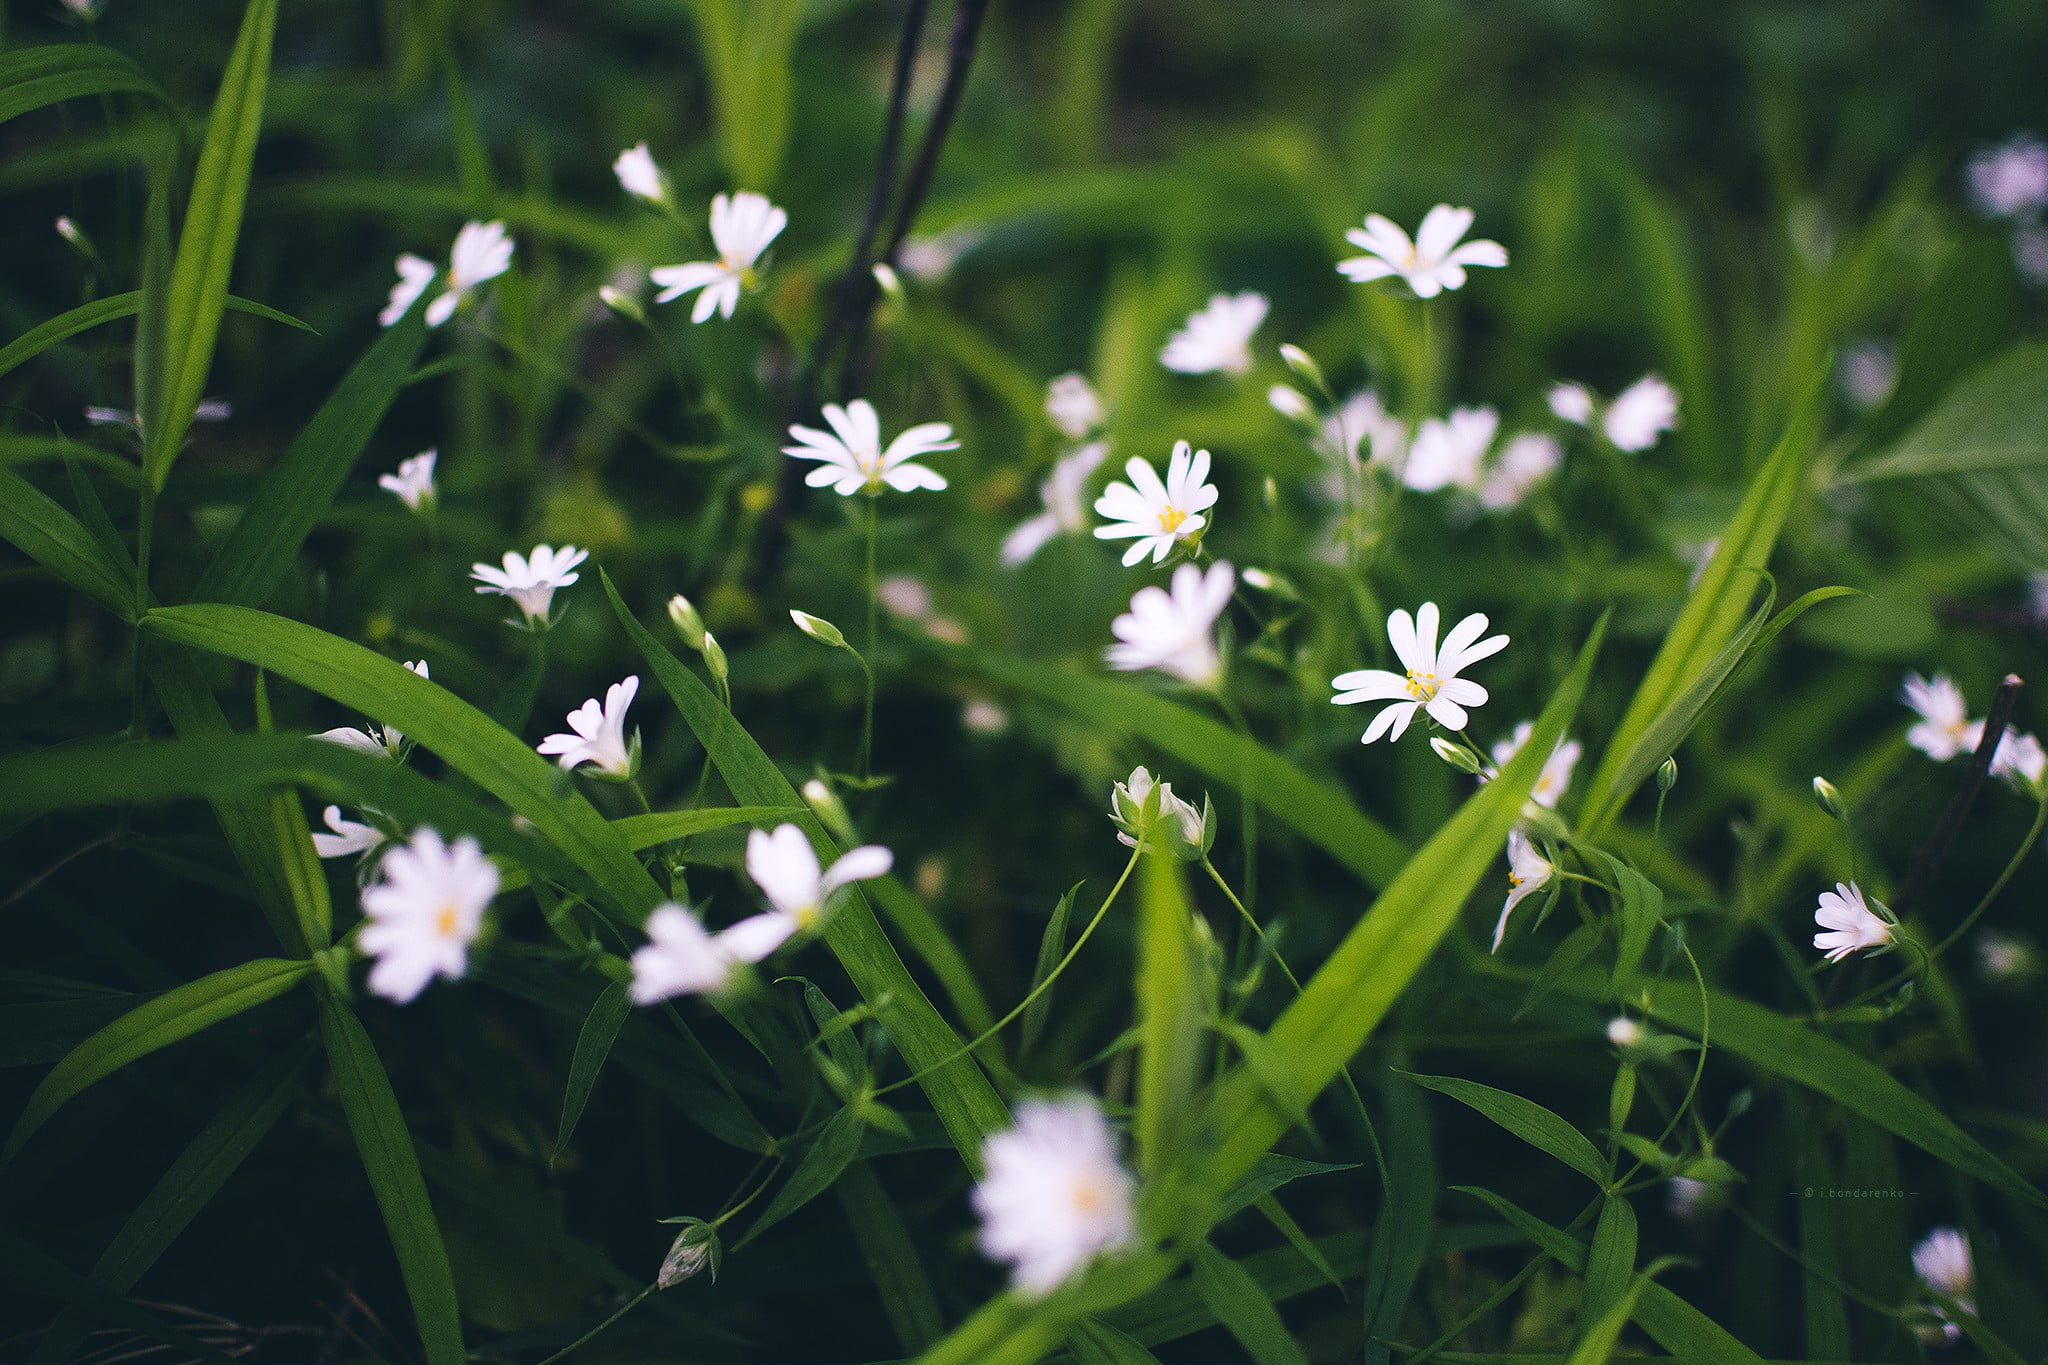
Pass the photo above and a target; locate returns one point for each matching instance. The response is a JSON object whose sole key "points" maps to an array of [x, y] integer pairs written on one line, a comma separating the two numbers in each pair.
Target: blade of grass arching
{"points": [[394, 1171], [1052, 946], [748, 47], [1169, 1007], [642, 832], [892, 1258], [1400, 1238], [87, 316], [32, 77], [1097, 1343], [829, 1154], [31, 1270], [185, 1189], [44, 530], [198, 285], [593, 1044], [1013, 1330], [175, 1015], [1243, 1309], [1597, 1346], [1527, 1120]]}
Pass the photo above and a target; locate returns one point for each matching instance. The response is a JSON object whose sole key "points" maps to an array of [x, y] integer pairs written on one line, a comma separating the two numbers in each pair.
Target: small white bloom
{"points": [[2037, 596], [85, 9], [1053, 1195], [1362, 428], [1944, 728], [1160, 515], [1522, 464], [2010, 179], [905, 596], [1624, 1032], [2030, 253], [1065, 509], [1691, 1199], [742, 226], [1851, 925], [600, 732], [1943, 1262], [349, 836], [2003, 957], [1573, 403], [1450, 452], [1868, 373], [424, 911], [1640, 414], [531, 582], [785, 866], [1172, 824], [414, 481], [930, 259], [482, 251], [2019, 759], [1291, 403], [1218, 338], [1557, 769], [851, 457], [415, 273], [681, 958], [984, 717], [639, 176], [1528, 873], [1071, 403], [1433, 262], [1171, 630], [1431, 682], [386, 741]]}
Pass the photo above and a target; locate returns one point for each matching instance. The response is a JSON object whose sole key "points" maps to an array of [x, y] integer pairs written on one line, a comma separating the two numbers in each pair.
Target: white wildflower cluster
{"points": [[1945, 731], [482, 252]]}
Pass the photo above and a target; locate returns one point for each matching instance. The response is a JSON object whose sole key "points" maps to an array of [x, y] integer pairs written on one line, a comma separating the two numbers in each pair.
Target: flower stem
{"points": [[628, 1306], [867, 724]]}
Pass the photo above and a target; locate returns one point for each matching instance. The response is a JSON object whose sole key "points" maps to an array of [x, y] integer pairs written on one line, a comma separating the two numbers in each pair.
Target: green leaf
{"points": [[1169, 1012], [32, 77], [836, 1145], [1097, 1343], [175, 1015], [1597, 1346], [87, 316], [1527, 1120], [1052, 946], [394, 1171], [1611, 1263], [892, 1258], [1243, 1309], [593, 1045], [1269, 1173], [42, 529], [1400, 1237], [198, 284], [748, 46], [32, 1270]]}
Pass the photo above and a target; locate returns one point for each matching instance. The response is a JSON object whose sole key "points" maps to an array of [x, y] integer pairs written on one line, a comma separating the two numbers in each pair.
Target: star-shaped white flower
{"points": [[1431, 682], [600, 733], [424, 911], [851, 457], [1217, 338], [2010, 179], [785, 866], [349, 836], [1528, 873], [531, 581], [1052, 1195], [1635, 419], [1172, 630], [1071, 403], [742, 226], [1523, 463], [1557, 769], [482, 252], [682, 957], [1944, 728], [1450, 452], [1160, 515], [385, 741], [639, 176], [1851, 925], [1433, 262], [1065, 510], [414, 481]]}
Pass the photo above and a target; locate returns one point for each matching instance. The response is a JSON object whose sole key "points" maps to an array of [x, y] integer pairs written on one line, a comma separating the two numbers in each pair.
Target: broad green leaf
{"points": [[175, 1015], [1169, 1012], [32, 77], [829, 1154], [1052, 946], [17, 450], [747, 46], [1243, 1309], [1527, 1120], [394, 1171], [41, 528], [1611, 1262], [594, 1044]]}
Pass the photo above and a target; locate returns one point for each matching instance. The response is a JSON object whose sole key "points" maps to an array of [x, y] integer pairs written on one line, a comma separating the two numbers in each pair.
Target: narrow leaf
{"points": [[593, 1045], [1243, 1309], [1527, 1120], [836, 1145], [87, 316], [33, 77], [1052, 946], [41, 528], [1169, 1012]]}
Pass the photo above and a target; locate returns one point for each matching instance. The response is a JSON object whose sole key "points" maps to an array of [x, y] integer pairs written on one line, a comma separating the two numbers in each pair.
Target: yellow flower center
{"points": [[1514, 880], [806, 917], [444, 922], [1089, 1196], [1171, 517], [1423, 686]]}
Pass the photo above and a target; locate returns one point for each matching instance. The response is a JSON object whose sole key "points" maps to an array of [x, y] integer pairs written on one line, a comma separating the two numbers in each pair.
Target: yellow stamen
{"points": [[1171, 517], [444, 923], [1423, 686], [1089, 1196]]}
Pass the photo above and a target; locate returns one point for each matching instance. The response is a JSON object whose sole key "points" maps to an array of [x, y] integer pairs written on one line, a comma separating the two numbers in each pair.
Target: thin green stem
{"points": [[867, 724], [587, 1337], [1248, 815]]}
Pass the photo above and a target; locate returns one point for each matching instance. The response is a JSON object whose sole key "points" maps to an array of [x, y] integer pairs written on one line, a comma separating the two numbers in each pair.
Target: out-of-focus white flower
{"points": [[2037, 596], [1172, 630], [1431, 682], [1850, 924], [1867, 373], [1523, 463], [1291, 403], [349, 836], [207, 410], [639, 176], [414, 481], [385, 741], [681, 958], [2003, 957], [1218, 338], [785, 866], [1944, 728], [1635, 419], [1450, 452], [600, 733], [2010, 179], [2020, 760], [1053, 1195], [1557, 769], [85, 9], [984, 717], [424, 911], [1943, 1262], [905, 596], [1433, 262], [1528, 873], [1065, 508], [1691, 1199], [415, 273], [742, 226], [1160, 515], [1624, 1032], [1361, 429], [1072, 404], [933, 258], [531, 582], [2030, 253], [1572, 402], [851, 457], [1171, 825], [482, 252]]}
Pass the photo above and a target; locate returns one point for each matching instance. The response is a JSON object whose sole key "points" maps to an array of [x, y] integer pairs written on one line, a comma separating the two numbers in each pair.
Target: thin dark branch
{"points": [[1928, 859]]}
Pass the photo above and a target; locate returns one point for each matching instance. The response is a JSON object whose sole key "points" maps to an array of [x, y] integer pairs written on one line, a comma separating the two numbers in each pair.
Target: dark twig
{"points": [[1928, 859]]}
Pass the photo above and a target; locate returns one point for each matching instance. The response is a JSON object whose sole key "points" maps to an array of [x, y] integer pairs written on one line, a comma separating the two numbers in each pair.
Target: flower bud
{"points": [[1624, 1032], [696, 1249], [682, 614], [1667, 775], [1291, 404], [1303, 364], [622, 303], [1829, 798], [818, 628], [714, 659], [1455, 754], [69, 231], [831, 810], [1147, 813], [891, 284]]}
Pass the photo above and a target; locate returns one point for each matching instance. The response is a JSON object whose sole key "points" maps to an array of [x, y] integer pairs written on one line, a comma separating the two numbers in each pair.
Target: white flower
{"points": [[2019, 758], [1071, 403], [1573, 403], [1943, 1262], [1523, 463], [1691, 1199], [482, 252], [1944, 728], [1053, 1195], [348, 837], [1172, 824], [1528, 873], [2010, 179], [415, 273], [2003, 957], [1640, 414], [933, 258], [85, 9], [984, 717], [1431, 682], [1450, 452], [424, 912], [742, 226], [384, 741], [851, 457], [1851, 925], [1868, 373], [1557, 769], [638, 175], [905, 596], [414, 481], [1433, 262], [1064, 508], [681, 958], [1624, 1032], [2037, 597], [1363, 424], [785, 866], [1218, 337], [600, 732], [1291, 403], [1171, 631], [531, 582], [1161, 515]]}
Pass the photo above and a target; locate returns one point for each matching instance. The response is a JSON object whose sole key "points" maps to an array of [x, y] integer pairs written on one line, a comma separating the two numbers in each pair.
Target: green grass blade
{"points": [[1097, 1343], [642, 832], [394, 1171], [1169, 1013], [1597, 1346], [1400, 1239], [835, 1147], [593, 1044], [1052, 946], [1243, 1309], [41, 528], [747, 47], [33, 77], [1610, 1264], [87, 316], [29, 1269], [1527, 1120], [169, 1018], [1268, 1174], [892, 1258]]}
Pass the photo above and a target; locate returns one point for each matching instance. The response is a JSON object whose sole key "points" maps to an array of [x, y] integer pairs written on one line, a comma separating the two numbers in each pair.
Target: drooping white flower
{"points": [[1850, 924], [785, 866], [1944, 728], [1160, 515], [1433, 262], [349, 836], [482, 251], [424, 911], [1640, 414], [1072, 404], [1943, 1262], [531, 582], [415, 273], [1218, 337], [851, 457], [1431, 682], [1557, 769], [1172, 630], [1528, 873], [386, 741], [2010, 179], [639, 176], [1450, 452], [1065, 509], [1523, 463], [681, 957], [600, 732], [742, 226], [414, 481], [1053, 1195], [1172, 825]]}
